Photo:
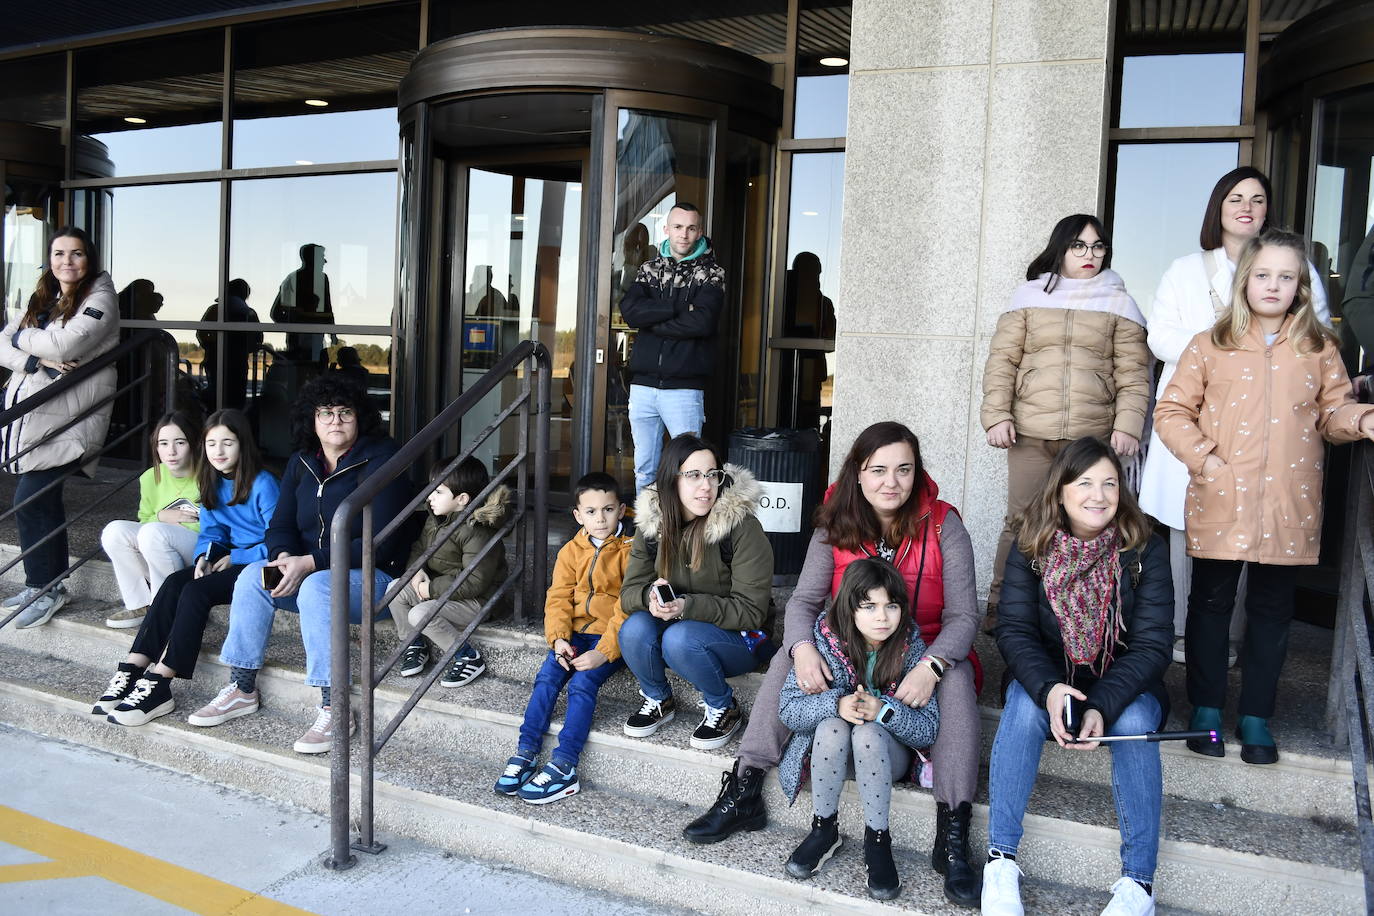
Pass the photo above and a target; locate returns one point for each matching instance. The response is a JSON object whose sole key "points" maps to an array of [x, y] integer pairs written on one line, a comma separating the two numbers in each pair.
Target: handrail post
{"points": [[340, 858], [366, 841], [544, 362]]}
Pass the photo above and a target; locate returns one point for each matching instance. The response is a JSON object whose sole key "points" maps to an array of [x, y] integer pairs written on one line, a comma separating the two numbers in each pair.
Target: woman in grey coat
{"points": [[71, 318]]}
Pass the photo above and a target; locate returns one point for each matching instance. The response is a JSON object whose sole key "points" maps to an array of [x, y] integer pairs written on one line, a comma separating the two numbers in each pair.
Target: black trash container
{"points": [[786, 463]]}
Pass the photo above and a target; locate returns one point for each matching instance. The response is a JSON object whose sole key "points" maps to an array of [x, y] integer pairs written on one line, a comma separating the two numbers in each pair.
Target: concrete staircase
{"points": [[1237, 839]]}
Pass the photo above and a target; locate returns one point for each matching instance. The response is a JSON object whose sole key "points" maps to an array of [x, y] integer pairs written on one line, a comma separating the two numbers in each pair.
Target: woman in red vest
{"points": [[882, 504]]}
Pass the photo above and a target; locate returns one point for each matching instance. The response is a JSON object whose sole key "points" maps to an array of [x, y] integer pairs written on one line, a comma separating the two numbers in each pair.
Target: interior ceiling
{"points": [[1147, 19]]}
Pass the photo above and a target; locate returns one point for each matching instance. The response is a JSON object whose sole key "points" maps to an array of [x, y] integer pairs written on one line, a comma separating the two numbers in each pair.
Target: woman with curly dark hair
{"points": [[340, 440]]}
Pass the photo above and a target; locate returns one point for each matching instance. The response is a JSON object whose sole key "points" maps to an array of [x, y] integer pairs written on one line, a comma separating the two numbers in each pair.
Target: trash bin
{"points": [[786, 463]]}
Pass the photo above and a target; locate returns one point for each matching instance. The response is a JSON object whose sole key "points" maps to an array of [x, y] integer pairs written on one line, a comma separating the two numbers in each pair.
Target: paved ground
{"points": [[83, 831]]}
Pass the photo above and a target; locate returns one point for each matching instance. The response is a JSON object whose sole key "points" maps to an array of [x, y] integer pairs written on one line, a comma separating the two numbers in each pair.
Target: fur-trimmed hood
{"points": [[491, 513], [738, 500]]}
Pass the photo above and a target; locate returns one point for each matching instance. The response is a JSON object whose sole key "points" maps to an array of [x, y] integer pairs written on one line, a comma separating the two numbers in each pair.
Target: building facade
{"points": [[413, 185]]}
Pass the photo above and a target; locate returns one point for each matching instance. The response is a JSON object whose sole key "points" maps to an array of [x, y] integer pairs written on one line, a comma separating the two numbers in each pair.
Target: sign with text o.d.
{"points": [[780, 507]]}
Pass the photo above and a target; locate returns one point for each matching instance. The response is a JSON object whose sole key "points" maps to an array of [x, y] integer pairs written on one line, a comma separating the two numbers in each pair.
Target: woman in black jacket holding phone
{"points": [[1087, 614]]}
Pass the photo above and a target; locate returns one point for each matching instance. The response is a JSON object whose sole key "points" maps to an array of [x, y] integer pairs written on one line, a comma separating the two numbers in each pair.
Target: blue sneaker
{"points": [[519, 770], [550, 785]]}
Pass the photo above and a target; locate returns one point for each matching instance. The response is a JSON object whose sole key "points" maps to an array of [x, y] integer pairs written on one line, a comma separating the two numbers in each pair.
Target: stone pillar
{"points": [[973, 127]]}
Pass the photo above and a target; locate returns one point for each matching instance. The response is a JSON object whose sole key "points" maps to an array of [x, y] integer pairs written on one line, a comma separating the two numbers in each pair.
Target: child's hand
{"points": [[1211, 465], [849, 709], [202, 567], [564, 652], [420, 582], [590, 659], [868, 705]]}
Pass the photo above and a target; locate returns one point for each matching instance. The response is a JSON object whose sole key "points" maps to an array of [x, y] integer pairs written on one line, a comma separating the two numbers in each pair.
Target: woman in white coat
{"points": [[1192, 294], [71, 318]]}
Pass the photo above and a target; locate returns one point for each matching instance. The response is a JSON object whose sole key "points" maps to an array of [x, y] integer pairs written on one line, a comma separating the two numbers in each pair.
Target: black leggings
{"points": [[176, 619]]}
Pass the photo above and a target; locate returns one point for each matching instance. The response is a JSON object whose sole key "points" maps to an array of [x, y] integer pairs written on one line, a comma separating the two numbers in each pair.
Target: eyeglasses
{"points": [[715, 477], [330, 414], [1078, 248]]}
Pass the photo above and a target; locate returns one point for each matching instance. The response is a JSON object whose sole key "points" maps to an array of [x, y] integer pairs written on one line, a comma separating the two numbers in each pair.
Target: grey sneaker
{"points": [[124, 618], [42, 609], [19, 600]]}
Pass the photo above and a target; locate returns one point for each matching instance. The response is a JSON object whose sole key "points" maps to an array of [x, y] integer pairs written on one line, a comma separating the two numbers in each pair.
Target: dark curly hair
{"points": [[331, 391]]}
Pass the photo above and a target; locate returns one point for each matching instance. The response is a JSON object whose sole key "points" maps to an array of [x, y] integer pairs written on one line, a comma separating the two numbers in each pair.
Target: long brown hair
{"points": [[1307, 335], [248, 468], [674, 533], [48, 289], [860, 578], [848, 519], [189, 428], [1036, 528]]}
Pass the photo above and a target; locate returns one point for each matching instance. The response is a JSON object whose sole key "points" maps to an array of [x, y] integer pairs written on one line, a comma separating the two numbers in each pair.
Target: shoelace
{"points": [[543, 778], [513, 769], [322, 721], [713, 715], [142, 688], [650, 705], [117, 683], [223, 695]]}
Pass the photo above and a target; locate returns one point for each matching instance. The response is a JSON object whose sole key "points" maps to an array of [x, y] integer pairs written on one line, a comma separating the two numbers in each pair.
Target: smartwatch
{"points": [[886, 714]]}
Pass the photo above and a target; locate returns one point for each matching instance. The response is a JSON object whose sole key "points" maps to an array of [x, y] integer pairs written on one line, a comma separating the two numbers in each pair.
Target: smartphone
{"points": [[183, 503], [271, 577], [665, 593], [565, 658], [1073, 715], [218, 552]]}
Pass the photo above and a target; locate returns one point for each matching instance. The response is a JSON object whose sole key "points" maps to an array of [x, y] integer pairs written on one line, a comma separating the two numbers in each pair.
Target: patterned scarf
{"points": [[1081, 580], [666, 272]]}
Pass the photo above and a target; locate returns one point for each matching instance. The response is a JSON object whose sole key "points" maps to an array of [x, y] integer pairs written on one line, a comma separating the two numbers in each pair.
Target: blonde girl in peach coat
{"points": [[1246, 412]]}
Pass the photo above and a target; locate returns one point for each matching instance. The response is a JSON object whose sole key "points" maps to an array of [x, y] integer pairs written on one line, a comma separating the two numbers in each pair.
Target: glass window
{"points": [[30, 214], [163, 249], [1181, 90], [321, 88], [33, 90], [154, 104], [1161, 191], [822, 106], [822, 69], [317, 250], [747, 167], [1343, 216], [813, 244]]}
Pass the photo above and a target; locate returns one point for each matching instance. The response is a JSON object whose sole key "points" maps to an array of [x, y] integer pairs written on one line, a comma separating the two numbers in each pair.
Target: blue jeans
{"points": [[679, 410], [1137, 782], [582, 689], [702, 653], [252, 609]]}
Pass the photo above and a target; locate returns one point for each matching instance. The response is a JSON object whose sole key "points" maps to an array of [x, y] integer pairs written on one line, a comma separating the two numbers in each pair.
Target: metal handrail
{"points": [[156, 343], [531, 407]]}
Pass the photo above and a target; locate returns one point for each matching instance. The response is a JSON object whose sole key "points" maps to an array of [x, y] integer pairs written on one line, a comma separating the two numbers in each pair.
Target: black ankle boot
{"points": [[883, 882], [949, 857], [819, 845], [739, 806]]}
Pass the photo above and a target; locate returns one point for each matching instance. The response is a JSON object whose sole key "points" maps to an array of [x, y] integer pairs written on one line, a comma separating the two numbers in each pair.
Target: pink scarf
{"points": [[1105, 292]]}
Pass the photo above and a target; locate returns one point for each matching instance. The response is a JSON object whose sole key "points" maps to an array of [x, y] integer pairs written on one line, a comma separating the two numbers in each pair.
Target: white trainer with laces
{"points": [[1002, 888], [1129, 899]]}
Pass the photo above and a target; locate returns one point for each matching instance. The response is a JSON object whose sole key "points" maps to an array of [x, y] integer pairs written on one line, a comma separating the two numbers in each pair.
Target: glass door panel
{"points": [[1343, 217]]}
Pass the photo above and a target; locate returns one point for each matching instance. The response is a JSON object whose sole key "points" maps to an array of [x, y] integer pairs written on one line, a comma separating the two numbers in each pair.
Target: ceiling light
{"points": [[810, 213], [305, 162], [317, 103], [834, 62], [133, 120]]}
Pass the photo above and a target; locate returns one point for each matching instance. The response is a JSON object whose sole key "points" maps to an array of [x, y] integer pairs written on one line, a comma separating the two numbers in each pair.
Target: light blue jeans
{"points": [[679, 410], [1137, 782], [701, 652], [252, 610]]}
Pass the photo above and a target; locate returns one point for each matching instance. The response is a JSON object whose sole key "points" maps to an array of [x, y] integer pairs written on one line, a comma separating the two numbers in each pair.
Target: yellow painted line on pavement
{"points": [[77, 854]]}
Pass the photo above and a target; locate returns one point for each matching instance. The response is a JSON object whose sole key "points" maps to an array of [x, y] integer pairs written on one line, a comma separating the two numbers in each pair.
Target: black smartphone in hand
{"points": [[1073, 714], [271, 577], [665, 593]]}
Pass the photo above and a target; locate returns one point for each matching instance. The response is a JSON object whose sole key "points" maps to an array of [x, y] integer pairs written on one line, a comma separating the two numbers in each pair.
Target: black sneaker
{"points": [[150, 698], [650, 716], [464, 669], [717, 727], [414, 658], [121, 684]]}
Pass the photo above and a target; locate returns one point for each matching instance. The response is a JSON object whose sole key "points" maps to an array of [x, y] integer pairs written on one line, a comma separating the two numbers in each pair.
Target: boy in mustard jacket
{"points": [[582, 619]]}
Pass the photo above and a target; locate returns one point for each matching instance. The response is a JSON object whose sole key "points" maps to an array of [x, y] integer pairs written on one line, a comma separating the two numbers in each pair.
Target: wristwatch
{"points": [[886, 714]]}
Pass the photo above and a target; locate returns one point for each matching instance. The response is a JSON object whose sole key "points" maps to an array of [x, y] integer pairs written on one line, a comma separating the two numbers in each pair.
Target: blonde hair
{"points": [[1307, 335]]}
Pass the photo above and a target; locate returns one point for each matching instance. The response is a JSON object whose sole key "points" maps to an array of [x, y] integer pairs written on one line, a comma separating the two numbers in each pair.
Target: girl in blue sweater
{"points": [[238, 498]]}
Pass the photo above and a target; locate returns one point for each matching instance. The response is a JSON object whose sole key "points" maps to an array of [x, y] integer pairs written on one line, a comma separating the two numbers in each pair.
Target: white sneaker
{"points": [[1180, 654], [1002, 888], [1129, 899], [319, 738]]}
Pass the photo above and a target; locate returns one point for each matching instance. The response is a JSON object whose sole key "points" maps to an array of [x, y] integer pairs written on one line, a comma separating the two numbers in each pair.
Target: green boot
{"points": [[1256, 743], [1206, 718]]}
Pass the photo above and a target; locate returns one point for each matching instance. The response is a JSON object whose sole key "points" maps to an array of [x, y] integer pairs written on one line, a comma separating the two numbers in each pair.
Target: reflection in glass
{"points": [[1343, 218], [318, 249], [744, 260], [29, 217], [660, 160], [156, 103], [351, 60], [225, 366], [33, 90], [163, 273], [1161, 191], [1181, 90]]}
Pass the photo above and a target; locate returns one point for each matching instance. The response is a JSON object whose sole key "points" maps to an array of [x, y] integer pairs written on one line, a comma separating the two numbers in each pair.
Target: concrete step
{"points": [[1227, 851]]}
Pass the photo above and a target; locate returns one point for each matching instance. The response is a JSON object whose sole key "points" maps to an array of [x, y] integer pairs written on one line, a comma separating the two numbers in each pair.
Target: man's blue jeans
{"points": [[679, 410], [1137, 782], [582, 689], [252, 609], [702, 653]]}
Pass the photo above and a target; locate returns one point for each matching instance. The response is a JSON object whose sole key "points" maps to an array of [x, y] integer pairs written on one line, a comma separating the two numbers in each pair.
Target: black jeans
{"points": [[175, 621], [38, 519], [1269, 607]]}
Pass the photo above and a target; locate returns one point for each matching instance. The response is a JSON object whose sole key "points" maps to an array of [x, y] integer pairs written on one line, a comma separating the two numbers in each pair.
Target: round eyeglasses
{"points": [[715, 477], [330, 414], [1078, 248]]}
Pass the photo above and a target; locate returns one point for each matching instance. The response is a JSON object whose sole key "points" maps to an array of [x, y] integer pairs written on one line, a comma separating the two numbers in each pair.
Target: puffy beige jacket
{"points": [[93, 330], [1065, 373], [1263, 410]]}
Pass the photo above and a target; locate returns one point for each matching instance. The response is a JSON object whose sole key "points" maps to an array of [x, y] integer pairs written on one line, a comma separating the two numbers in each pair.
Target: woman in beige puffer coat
{"points": [[71, 318], [1068, 359]]}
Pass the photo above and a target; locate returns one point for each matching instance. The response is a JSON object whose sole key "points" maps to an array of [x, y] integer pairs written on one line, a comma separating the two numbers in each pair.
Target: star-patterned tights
{"points": [[866, 752]]}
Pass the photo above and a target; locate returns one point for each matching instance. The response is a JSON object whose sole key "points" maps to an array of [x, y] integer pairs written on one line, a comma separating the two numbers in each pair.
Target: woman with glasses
{"points": [[696, 590], [883, 504], [1068, 359], [340, 441]]}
